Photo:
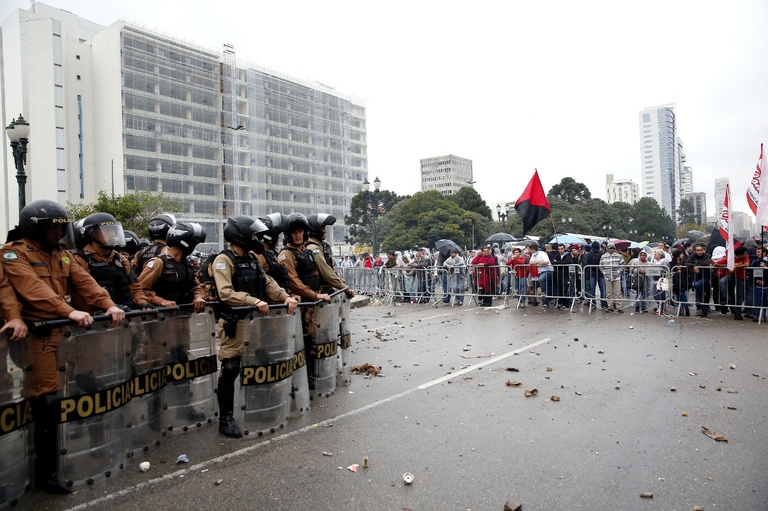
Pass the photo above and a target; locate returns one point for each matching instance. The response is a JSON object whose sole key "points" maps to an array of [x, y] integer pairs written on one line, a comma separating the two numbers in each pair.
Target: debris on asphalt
{"points": [[714, 436], [731, 407], [183, 458], [555, 398], [646, 495], [673, 389], [325, 453], [366, 369], [513, 505], [732, 366], [144, 466], [698, 508], [532, 392], [365, 462], [685, 414], [601, 352], [484, 355], [511, 383], [513, 369], [408, 478], [549, 369], [353, 468], [577, 393], [218, 482]]}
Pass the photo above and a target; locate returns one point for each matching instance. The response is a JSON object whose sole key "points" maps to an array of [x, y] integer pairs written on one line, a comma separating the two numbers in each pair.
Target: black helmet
{"points": [[37, 216], [131, 242], [80, 242], [104, 229], [158, 226], [295, 220], [143, 242], [276, 223], [244, 232], [317, 222], [186, 236]]}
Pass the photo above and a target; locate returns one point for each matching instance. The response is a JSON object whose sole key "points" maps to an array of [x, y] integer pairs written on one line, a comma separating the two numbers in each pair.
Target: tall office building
{"points": [[699, 201], [720, 184], [121, 109], [446, 174], [661, 157], [621, 190], [686, 181]]}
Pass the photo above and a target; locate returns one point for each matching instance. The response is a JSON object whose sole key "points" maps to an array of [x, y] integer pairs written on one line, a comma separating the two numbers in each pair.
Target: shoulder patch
{"points": [[316, 251], [221, 266], [65, 260], [150, 264], [282, 257], [10, 256]]}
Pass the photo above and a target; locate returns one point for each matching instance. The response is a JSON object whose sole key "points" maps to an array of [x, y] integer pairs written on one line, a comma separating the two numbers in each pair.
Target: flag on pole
{"points": [[532, 206], [757, 196], [726, 228]]}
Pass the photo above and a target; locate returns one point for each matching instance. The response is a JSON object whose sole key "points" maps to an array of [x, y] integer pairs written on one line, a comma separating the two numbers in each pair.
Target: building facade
{"points": [[720, 185], [124, 109], [446, 174], [699, 201], [621, 190], [661, 157]]}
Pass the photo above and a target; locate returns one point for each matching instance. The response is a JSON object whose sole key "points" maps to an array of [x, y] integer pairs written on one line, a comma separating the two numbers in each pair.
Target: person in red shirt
{"points": [[734, 283], [520, 270], [487, 276]]}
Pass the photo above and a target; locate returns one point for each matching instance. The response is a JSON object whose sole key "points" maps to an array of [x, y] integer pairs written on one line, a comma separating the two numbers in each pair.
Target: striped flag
{"points": [[532, 206], [726, 228], [757, 196]]}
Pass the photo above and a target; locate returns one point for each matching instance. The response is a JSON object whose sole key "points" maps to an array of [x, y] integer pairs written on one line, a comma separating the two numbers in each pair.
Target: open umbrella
{"points": [[620, 244], [500, 237], [445, 247], [568, 239]]}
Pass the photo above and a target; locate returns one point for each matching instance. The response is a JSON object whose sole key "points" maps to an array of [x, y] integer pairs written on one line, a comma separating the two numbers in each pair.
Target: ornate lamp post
{"points": [[18, 134], [373, 202], [567, 223], [502, 216]]}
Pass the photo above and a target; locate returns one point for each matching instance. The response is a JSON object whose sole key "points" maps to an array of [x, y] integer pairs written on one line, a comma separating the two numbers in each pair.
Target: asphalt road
{"points": [[635, 391]]}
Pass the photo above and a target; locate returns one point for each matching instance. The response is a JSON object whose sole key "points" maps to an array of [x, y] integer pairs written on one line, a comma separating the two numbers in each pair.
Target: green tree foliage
{"points": [[134, 211], [468, 199], [651, 221], [686, 212], [359, 219], [570, 191]]}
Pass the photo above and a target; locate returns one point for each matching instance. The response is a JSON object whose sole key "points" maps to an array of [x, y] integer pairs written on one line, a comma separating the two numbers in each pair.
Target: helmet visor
{"points": [[59, 232], [109, 235]]}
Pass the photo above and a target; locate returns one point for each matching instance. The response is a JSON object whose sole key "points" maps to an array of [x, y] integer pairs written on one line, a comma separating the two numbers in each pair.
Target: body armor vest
{"points": [[327, 256], [143, 256], [276, 270], [110, 275], [176, 282], [248, 276], [305, 268]]}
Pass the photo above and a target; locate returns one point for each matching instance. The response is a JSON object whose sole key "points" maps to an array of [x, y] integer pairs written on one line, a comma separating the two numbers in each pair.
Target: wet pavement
{"points": [[634, 392]]}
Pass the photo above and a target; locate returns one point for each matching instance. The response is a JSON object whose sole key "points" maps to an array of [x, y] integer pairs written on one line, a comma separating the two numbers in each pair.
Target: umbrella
{"points": [[620, 244], [568, 239], [679, 242], [445, 247], [500, 237]]}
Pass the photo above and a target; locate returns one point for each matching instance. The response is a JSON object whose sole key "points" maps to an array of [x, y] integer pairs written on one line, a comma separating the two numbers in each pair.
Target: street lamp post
{"points": [[18, 134], [567, 223], [373, 201], [606, 229], [502, 216]]}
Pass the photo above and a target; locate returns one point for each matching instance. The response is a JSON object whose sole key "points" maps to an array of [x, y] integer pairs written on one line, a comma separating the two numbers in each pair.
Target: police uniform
{"points": [[10, 308], [146, 254], [114, 273], [276, 270], [321, 254], [164, 278]]}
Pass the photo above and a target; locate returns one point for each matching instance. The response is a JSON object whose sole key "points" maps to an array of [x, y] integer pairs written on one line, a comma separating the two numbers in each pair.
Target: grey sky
{"points": [[511, 85]]}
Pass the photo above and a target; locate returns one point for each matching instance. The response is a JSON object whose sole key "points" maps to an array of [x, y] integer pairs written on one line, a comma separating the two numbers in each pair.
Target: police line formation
{"points": [[108, 349]]}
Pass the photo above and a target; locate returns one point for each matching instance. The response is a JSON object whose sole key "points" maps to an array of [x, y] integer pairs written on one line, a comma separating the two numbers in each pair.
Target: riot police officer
{"points": [[10, 312], [158, 231], [240, 281], [322, 254], [101, 234], [42, 273], [275, 223], [303, 280]]}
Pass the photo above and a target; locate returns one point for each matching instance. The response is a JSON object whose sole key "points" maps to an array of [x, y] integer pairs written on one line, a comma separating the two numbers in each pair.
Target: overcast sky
{"points": [[513, 86]]}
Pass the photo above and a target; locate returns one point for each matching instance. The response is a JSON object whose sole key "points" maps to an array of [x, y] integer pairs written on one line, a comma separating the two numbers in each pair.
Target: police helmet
{"points": [[80, 242], [317, 223], [36, 218], [244, 231], [131, 242], [276, 223], [103, 229], [186, 236], [159, 225], [295, 220]]}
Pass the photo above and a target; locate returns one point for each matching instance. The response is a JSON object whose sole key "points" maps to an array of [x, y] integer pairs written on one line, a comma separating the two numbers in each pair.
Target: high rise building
{"points": [[621, 190], [446, 174], [720, 184], [686, 181], [699, 201], [661, 157], [123, 109]]}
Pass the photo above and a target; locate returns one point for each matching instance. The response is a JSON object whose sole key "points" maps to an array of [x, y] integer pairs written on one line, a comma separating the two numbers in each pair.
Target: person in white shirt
{"points": [[456, 266]]}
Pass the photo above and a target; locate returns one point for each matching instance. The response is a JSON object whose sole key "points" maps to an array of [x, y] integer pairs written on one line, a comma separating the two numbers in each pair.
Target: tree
{"points": [[651, 221], [686, 212], [468, 199], [570, 191], [133, 211], [359, 219]]}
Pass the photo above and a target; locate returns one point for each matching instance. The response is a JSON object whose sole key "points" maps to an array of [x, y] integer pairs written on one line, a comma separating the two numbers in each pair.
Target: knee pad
{"points": [[230, 369]]}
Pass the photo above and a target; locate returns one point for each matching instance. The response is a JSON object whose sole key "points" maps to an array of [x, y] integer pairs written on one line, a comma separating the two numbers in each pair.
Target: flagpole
{"points": [[557, 239]]}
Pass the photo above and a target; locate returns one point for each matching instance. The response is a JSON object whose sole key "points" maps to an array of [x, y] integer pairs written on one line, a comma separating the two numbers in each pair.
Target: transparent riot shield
{"points": [[326, 343], [15, 421], [144, 416], [95, 386], [265, 371], [345, 341], [192, 366]]}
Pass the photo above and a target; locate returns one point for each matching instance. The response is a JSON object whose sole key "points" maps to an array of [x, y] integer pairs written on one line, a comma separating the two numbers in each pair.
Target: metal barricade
{"points": [[15, 421], [325, 340], [149, 359], [485, 283], [742, 292], [191, 371], [95, 384], [345, 340], [364, 281], [648, 287], [266, 370]]}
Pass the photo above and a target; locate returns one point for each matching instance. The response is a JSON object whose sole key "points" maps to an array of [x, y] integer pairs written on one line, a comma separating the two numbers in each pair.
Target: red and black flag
{"points": [[532, 206]]}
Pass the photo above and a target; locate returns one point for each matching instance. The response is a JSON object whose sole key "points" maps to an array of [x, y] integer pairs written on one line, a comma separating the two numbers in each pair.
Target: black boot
{"points": [[230, 368], [311, 353], [46, 444]]}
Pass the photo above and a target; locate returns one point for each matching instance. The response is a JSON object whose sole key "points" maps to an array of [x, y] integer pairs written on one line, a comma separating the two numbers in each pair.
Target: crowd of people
{"points": [[52, 268]]}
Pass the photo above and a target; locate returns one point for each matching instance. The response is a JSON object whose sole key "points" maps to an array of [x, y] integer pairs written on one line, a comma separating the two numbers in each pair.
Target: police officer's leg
{"points": [[308, 328], [230, 369]]}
